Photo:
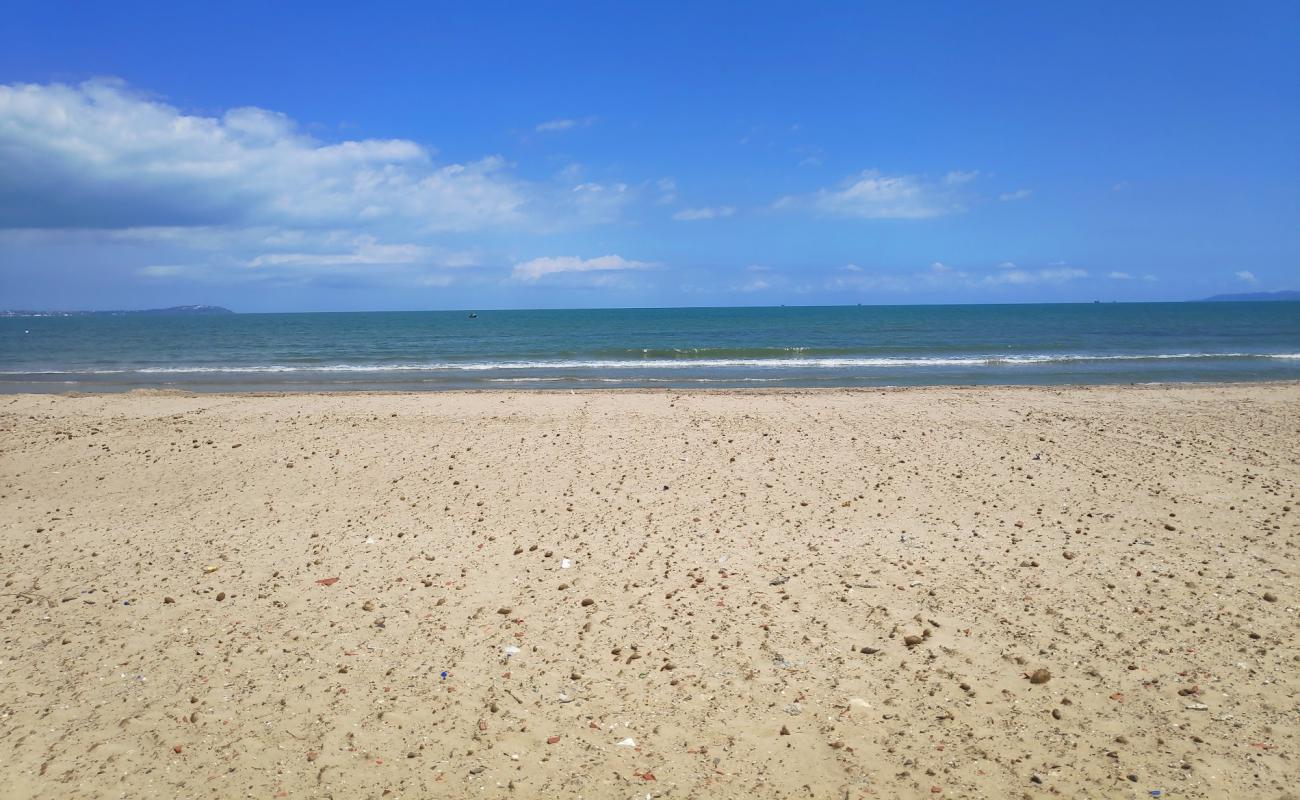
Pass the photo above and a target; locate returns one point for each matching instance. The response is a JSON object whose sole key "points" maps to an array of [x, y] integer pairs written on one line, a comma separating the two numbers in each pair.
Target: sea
{"points": [[836, 346]]}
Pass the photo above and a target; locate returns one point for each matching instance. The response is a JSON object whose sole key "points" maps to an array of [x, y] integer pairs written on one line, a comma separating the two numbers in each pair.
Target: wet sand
{"points": [[992, 592]]}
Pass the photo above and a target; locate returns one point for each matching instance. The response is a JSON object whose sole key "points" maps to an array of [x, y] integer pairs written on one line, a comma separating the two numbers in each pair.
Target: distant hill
{"points": [[1289, 294], [174, 311]]}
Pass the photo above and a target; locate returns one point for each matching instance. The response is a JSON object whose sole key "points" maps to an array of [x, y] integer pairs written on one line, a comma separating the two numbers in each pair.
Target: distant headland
{"points": [[1254, 297], [174, 311]]}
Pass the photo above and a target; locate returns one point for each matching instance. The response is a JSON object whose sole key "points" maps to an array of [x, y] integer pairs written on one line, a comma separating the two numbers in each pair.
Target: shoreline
{"points": [[655, 390], [769, 592]]}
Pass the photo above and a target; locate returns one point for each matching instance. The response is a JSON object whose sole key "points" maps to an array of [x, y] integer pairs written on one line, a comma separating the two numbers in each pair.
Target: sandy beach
{"points": [[994, 592]]}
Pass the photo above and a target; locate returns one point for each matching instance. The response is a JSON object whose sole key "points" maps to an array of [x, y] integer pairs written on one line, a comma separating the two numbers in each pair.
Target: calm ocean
{"points": [[699, 347]]}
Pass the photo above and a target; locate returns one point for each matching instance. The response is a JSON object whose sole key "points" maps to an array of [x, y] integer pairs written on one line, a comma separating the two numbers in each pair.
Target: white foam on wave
{"points": [[666, 363]]}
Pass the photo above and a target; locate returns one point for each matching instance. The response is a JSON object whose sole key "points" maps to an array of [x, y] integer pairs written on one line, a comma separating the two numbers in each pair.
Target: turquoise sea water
{"points": [[701, 347]]}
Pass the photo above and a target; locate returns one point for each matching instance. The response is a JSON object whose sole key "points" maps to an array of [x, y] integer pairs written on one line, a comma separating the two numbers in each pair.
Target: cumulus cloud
{"points": [[872, 195], [538, 268], [1246, 276], [693, 214], [99, 155], [246, 195]]}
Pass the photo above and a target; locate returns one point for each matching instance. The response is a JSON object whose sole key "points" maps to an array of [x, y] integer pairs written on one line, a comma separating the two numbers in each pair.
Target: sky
{"points": [[347, 156]]}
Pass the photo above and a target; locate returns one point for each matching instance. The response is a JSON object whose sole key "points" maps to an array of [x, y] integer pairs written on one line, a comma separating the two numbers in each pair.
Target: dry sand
{"points": [[781, 594]]}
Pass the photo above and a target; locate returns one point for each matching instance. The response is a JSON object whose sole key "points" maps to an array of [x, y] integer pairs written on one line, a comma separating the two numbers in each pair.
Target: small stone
{"points": [[311, 755], [177, 749], [1197, 707], [587, 601], [869, 651], [1132, 776], [221, 596], [476, 770], [912, 640], [552, 740], [1069, 555], [504, 611], [1040, 675], [1056, 713], [785, 731], [369, 605], [1036, 779], [1270, 597], [169, 600]]}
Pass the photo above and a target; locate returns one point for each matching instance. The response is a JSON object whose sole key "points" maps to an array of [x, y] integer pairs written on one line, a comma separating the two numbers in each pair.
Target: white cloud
{"points": [[538, 268], [557, 125], [593, 203], [1019, 194], [667, 191], [248, 196], [1127, 276], [1246, 276], [871, 195], [958, 177], [99, 155], [365, 250], [162, 271], [941, 276], [1020, 277], [692, 214]]}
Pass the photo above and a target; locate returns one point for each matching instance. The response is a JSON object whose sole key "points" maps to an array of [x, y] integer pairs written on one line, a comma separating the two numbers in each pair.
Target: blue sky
{"points": [[273, 156]]}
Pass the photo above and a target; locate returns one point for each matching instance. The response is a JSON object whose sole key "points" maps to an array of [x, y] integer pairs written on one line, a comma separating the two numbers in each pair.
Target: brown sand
{"points": [[757, 565]]}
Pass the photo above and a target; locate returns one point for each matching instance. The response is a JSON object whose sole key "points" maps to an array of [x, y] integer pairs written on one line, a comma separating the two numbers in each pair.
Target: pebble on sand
{"points": [[1040, 675]]}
